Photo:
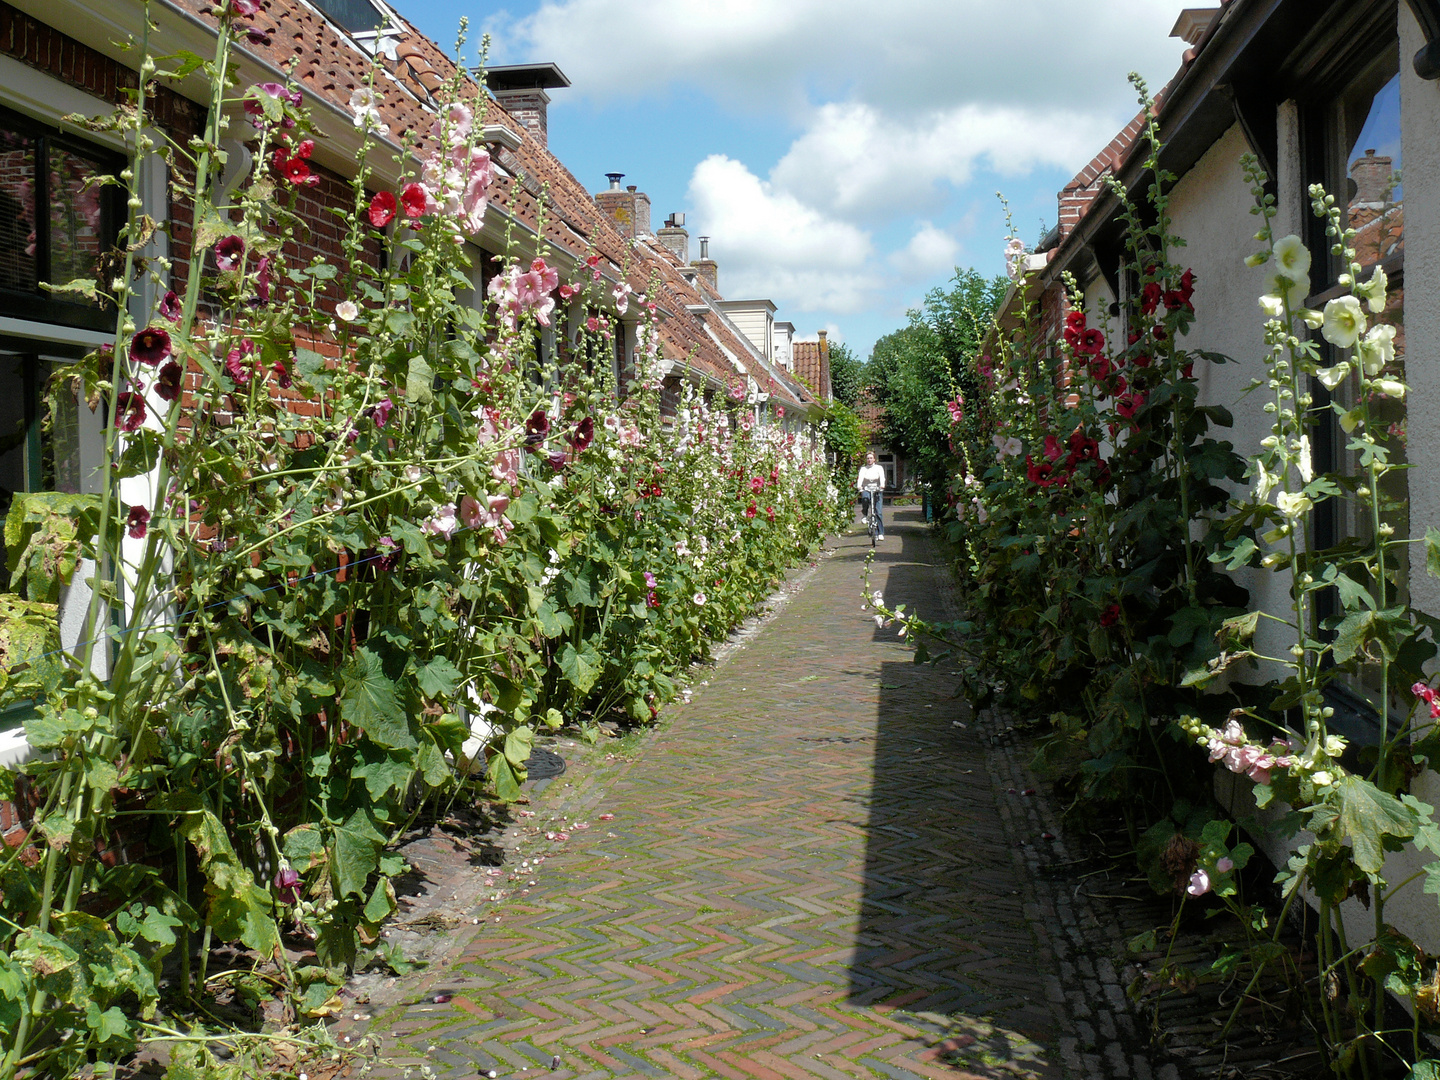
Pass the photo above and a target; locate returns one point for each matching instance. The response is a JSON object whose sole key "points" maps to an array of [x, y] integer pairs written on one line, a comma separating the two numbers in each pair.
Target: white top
{"points": [[871, 478]]}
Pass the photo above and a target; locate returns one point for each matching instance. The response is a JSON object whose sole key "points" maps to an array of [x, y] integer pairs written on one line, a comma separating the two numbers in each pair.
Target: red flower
{"points": [[1083, 448], [1053, 450], [1127, 404], [297, 172], [757, 485], [262, 279], [1150, 297], [305, 149], [536, 428], [1092, 341], [150, 346], [228, 250], [583, 434], [382, 209], [414, 197], [167, 383], [1141, 361], [282, 374], [235, 365], [750, 510], [138, 522], [129, 411], [1038, 472], [770, 513], [170, 307], [1110, 616]]}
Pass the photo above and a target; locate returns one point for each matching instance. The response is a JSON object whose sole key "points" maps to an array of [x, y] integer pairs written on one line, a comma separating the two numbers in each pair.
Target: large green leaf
{"points": [[438, 678], [581, 667], [420, 381], [357, 852], [1367, 815], [369, 700]]}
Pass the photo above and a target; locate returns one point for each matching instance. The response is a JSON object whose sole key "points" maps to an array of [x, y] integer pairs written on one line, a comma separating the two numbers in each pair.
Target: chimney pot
{"points": [[614, 178], [704, 247], [632, 188]]}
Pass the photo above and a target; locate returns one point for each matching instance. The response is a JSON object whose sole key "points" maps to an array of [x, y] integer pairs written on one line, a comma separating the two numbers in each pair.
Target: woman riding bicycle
{"points": [[871, 486]]}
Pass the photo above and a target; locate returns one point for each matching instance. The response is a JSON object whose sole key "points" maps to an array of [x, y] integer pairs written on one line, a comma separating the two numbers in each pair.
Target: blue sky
{"points": [[844, 156]]}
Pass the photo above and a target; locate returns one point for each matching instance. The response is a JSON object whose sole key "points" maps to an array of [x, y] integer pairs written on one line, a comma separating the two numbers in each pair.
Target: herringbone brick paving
{"points": [[807, 874]]}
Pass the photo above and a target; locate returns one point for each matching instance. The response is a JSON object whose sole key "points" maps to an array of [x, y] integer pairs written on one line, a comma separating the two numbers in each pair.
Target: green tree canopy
{"points": [[915, 370], [846, 374]]}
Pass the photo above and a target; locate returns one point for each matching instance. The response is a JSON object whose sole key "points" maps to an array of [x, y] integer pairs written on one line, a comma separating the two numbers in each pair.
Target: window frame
{"points": [[38, 305]]}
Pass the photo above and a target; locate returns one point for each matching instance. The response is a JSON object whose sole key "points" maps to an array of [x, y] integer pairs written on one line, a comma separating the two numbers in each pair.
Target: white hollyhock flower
{"points": [[1331, 377], [1307, 469], [1377, 349], [1293, 504], [347, 311], [1344, 322], [1292, 260], [1373, 291]]}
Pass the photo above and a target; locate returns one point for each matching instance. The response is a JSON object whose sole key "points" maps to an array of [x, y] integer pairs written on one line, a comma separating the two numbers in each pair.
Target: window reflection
{"points": [[17, 211], [75, 218]]}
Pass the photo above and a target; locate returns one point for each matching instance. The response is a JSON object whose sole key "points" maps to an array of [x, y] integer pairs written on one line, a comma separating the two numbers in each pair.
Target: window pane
{"points": [[1376, 198], [12, 431], [17, 212], [357, 16], [75, 217], [60, 443]]}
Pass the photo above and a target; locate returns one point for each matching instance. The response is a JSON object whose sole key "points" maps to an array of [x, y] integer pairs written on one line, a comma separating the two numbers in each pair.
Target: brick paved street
{"points": [[813, 870]]}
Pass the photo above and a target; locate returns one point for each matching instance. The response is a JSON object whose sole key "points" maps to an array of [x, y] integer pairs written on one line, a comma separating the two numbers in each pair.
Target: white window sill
{"points": [[14, 750]]}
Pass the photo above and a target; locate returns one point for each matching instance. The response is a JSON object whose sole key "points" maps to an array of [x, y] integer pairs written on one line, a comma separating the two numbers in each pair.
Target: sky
{"points": [[844, 156]]}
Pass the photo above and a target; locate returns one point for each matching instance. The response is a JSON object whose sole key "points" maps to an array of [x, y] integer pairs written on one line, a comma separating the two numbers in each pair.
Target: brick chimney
{"points": [[824, 388], [519, 89], [705, 266], [628, 208], [1374, 180], [675, 238]]}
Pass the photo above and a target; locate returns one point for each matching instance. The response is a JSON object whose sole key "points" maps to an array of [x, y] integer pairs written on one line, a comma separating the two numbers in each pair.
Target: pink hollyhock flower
{"points": [[417, 200], [382, 209], [228, 250], [779, 409], [757, 485], [245, 8], [549, 276], [382, 412], [443, 522], [470, 515], [389, 554], [567, 291], [167, 382], [493, 513], [236, 363], [1199, 883], [129, 411], [507, 466], [592, 324], [150, 346], [460, 119], [649, 580], [262, 279], [621, 293], [170, 307], [138, 523], [1224, 864]]}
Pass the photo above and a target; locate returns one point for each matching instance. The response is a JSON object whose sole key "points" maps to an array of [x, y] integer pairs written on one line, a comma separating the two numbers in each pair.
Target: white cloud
{"points": [[854, 159], [931, 251], [769, 243]]}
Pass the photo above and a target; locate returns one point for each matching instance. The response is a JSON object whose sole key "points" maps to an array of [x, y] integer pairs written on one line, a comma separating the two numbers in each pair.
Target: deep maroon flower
{"points": [[255, 36], [150, 346], [382, 209], [138, 522], [1150, 297], [536, 428], [262, 279], [167, 383], [129, 411], [228, 250], [1110, 616], [558, 460], [583, 434], [382, 412], [245, 8], [170, 307], [1091, 342], [287, 886], [105, 363], [282, 374], [389, 554], [750, 510]]}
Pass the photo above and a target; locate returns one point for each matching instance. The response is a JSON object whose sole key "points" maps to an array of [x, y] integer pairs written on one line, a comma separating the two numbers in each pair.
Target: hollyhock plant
{"points": [[240, 363], [262, 279], [417, 201], [167, 382], [442, 522], [170, 307], [129, 411], [150, 346], [583, 434]]}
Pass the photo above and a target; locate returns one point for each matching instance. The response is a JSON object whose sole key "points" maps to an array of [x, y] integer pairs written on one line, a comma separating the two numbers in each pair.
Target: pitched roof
{"points": [[811, 361], [534, 190]]}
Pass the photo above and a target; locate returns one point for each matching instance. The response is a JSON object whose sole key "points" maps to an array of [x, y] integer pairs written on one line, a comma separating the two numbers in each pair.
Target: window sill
{"points": [[14, 749]]}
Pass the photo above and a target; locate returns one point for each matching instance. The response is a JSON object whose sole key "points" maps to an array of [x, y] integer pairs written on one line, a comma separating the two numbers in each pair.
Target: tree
{"points": [[914, 371], [846, 373]]}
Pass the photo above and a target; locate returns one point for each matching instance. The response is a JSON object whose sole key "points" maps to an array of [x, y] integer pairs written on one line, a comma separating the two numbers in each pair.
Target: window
{"points": [[40, 168], [1350, 125], [355, 16], [39, 446]]}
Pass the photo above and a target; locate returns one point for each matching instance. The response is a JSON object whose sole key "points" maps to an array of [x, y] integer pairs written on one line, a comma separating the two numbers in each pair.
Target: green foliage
{"points": [[847, 374], [845, 437]]}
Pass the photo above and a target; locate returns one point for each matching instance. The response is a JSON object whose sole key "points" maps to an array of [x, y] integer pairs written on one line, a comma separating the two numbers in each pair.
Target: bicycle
{"points": [[872, 517]]}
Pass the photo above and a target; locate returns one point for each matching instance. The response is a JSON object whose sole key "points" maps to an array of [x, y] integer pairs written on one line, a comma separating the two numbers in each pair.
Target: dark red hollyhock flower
{"points": [[1127, 404], [1150, 297], [382, 209], [262, 279], [583, 435], [287, 886], [1110, 616], [750, 510], [536, 428], [245, 8], [1101, 368], [1038, 471], [282, 374], [105, 363], [170, 307], [1074, 327], [150, 346], [1180, 298], [167, 383], [1158, 333], [1092, 341], [757, 485], [1082, 447], [228, 250], [558, 460], [305, 149], [1053, 449], [129, 411], [235, 363], [138, 523], [770, 513], [414, 197], [255, 36], [1102, 474], [1141, 361]]}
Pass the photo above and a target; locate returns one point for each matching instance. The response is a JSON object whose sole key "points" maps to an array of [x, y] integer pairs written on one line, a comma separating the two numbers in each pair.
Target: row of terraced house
{"points": [[67, 57]]}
